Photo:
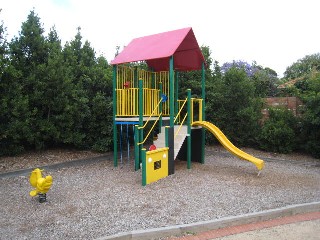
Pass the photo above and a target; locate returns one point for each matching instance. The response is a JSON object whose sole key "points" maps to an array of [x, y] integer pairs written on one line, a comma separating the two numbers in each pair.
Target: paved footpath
{"points": [[301, 226]]}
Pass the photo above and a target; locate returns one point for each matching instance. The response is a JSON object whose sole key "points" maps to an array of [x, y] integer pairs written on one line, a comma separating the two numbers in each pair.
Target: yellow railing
{"points": [[181, 104], [154, 124], [146, 76], [150, 101], [199, 113], [163, 77], [155, 110], [127, 91], [125, 75], [127, 102], [195, 110], [185, 116]]}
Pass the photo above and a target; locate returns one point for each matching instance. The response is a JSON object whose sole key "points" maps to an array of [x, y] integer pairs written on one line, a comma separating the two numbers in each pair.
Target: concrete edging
{"points": [[216, 223]]}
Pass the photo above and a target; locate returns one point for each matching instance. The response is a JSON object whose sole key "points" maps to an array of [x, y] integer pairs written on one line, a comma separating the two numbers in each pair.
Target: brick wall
{"points": [[293, 104]]}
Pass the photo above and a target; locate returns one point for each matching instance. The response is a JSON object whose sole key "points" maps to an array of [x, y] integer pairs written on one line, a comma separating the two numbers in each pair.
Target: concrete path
{"points": [[295, 222], [301, 226]]}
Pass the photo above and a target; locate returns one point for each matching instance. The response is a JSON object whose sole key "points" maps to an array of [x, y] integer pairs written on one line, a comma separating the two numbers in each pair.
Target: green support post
{"points": [[203, 81], [166, 136], [171, 92], [189, 130], [135, 78], [153, 79], [153, 86], [172, 110], [115, 137], [169, 140], [144, 166], [176, 88], [140, 115], [136, 148], [160, 106]]}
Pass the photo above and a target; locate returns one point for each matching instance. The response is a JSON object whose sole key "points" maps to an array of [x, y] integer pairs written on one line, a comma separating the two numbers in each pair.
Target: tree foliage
{"points": [[279, 132], [53, 95], [233, 106], [264, 79], [303, 66], [310, 129]]}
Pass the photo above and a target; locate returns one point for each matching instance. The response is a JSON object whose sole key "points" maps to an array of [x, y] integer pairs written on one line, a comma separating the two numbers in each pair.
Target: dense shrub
{"points": [[310, 126], [53, 95], [233, 106], [278, 133]]}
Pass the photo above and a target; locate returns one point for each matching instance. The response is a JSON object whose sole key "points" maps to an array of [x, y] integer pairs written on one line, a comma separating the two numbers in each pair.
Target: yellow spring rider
{"points": [[41, 184]]}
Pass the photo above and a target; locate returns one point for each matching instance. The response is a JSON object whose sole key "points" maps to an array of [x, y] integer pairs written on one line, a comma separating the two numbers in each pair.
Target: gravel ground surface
{"points": [[41, 158], [94, 200]]}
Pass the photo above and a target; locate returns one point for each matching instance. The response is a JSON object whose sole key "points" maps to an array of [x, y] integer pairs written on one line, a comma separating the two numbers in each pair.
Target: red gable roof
{"points": [[157, 49]]}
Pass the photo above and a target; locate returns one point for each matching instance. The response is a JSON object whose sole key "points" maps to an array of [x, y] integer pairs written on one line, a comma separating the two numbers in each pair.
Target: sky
{"points": [[274, 33]]}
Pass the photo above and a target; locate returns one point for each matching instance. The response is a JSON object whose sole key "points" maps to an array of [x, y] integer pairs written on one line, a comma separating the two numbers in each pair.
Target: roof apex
{"points": [[156, 49]]}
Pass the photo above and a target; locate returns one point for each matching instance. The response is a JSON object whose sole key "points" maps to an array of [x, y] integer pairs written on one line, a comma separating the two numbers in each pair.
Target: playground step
{"points": [[178, 140]]}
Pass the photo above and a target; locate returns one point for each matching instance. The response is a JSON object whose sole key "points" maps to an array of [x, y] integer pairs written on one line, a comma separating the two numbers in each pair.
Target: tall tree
{"points": [[57, 90], [52, 95], [100, 124], [29, 55], [265, 81], [77, 110], [13, 105], [3, 48], [310, 129], [233, 106], [303, 66]]}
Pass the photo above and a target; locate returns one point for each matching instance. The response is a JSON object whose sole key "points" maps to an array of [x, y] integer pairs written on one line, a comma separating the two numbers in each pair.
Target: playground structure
{"points": [[147, 101]]}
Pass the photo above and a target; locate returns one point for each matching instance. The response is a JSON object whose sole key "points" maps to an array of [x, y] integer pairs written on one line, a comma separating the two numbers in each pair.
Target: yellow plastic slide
{"points": [[228, 145]]}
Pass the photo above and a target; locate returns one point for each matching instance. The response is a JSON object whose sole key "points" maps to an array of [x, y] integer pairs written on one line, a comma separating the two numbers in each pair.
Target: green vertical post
{"points": [[144, 166], [166, 136], [153, 79], [135, 78], [171, 93], [172, 110], [136, 148], [176, 88], [140, 115], [115, 136], [203, 87], [160, 106], [189, 129], [153, 86]]}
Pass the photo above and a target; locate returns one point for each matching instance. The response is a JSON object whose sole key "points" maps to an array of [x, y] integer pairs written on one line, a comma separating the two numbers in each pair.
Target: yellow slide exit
{"points": [[228, 145]]}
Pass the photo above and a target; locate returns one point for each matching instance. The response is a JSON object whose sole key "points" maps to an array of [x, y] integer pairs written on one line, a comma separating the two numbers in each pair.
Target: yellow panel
{"points": [[156, 164]]}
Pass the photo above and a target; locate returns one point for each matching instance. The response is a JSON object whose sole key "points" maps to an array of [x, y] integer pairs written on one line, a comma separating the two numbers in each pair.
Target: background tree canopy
{"points": [[53, 95], [303, 66], [61, 96]]}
